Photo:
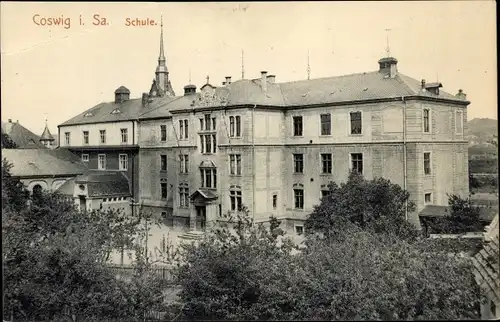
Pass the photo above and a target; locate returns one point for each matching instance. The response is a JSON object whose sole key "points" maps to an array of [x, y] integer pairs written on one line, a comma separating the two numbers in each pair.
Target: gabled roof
{"points": [[43, 162], [205, 193], [21, 136]]}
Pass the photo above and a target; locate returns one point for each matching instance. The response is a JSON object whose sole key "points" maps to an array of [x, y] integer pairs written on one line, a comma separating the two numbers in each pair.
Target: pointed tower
{"points": [[47, 139], [161, 84]]}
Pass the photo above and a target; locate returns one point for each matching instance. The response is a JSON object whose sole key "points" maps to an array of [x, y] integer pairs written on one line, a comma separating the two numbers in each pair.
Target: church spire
{"points": [[161, 58]]}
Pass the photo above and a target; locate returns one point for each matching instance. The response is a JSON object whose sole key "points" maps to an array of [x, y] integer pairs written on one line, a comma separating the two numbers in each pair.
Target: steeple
{"points": [[47, 139], [161, 85]]}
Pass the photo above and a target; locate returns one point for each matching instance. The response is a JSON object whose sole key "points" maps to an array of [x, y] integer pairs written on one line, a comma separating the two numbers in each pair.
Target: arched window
{"points": [[37, 190]]}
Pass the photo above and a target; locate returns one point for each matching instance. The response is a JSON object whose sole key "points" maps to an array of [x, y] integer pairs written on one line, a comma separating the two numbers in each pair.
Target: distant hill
{"points": [[482, 130]]}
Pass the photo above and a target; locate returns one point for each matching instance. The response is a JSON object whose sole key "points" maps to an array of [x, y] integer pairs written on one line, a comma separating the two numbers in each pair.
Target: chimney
{"points": [[228, 80], [423, 84], [189, 90], [122, 94], [461, 94], [271, 79], [223, 83], [263, 81], [388, 66], [10, 120], [145, 98]]}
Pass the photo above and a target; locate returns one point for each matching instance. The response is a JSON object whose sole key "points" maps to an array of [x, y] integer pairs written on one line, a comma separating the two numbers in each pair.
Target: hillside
{"points": [[482, 130]]}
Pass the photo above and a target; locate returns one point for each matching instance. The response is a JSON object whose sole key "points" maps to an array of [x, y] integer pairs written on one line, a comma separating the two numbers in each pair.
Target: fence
{"points": [[127, 271]]}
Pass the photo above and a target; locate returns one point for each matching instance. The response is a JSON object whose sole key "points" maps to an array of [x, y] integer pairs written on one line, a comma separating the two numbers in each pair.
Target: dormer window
{"points": [[116, 111], [88, 114], [433, 87]]}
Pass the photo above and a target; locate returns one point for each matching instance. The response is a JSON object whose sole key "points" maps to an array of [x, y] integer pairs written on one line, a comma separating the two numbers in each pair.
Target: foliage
{"points": [[55, 257], [233, 268], [7, 142], [251, 274], [463, 216], [483, 165], [376, 205]]}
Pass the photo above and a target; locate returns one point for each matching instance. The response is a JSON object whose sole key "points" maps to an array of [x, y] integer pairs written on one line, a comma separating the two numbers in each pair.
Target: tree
{"points": [[375, 205], [462, 217], [7, 142], [55, 258]]}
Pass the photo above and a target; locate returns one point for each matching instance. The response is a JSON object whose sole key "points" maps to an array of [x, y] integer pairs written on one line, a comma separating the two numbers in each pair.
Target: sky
{"points": [[58, 72]]}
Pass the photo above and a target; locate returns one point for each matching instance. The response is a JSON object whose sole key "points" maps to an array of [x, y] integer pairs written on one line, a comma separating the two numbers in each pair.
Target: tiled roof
{"points": [[206, 193], [43, 162], [328, 90], [21, 136], [99, 183], [486, 213], [486, 263]]}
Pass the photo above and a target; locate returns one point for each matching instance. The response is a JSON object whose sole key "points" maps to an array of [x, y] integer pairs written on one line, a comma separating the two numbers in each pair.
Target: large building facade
{"points": [[274, 147]]}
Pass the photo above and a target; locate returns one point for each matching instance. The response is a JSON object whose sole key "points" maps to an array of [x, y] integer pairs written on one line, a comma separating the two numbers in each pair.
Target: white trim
{"points": [[430, 119], [461, 121], [85, 159], [295, 229], [430, 162], [99, 163], [349, 129], [83, 137], [350, 160], [120, 162], [321, 126]]}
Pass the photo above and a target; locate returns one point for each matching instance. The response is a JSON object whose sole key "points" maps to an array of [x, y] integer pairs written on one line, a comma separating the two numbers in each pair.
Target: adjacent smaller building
{"points": [[43, 169], [99, 190], [21, 136]]}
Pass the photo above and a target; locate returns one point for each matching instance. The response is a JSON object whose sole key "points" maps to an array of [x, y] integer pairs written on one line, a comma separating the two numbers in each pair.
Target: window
{"points": [[326, 162], [428, 198], [163, 133], [85, 158], [208, 178], [324, 193], [207, 122], [163, 162], [299, 230], [123, 161], [85, 137], [184, 195], [275, 201], [102, 134], [298, 163], [426, 120], [67, 138], [427, 163], [356, 125], [213, 124], [164, 190], [124, 133], [202, 125], [235, 126], [235, 164], [208, 143], [235, 198], [459, 122], [298, 194], [101, 161], [297, 126], [326, 124], [184, 163], [357, 162], [183, 129]]}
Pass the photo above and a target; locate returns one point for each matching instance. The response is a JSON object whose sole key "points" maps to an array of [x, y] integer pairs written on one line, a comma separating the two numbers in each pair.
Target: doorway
{"points": [[201, 217], [83, 203]]}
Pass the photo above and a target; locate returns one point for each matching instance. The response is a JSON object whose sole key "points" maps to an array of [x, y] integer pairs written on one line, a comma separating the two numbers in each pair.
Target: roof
{"points": [[99, 183], [486, 263], [21, 136], [328, 90], [205, 193], [46, 136], [486, 213], [122, 90], [43, 162]]}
